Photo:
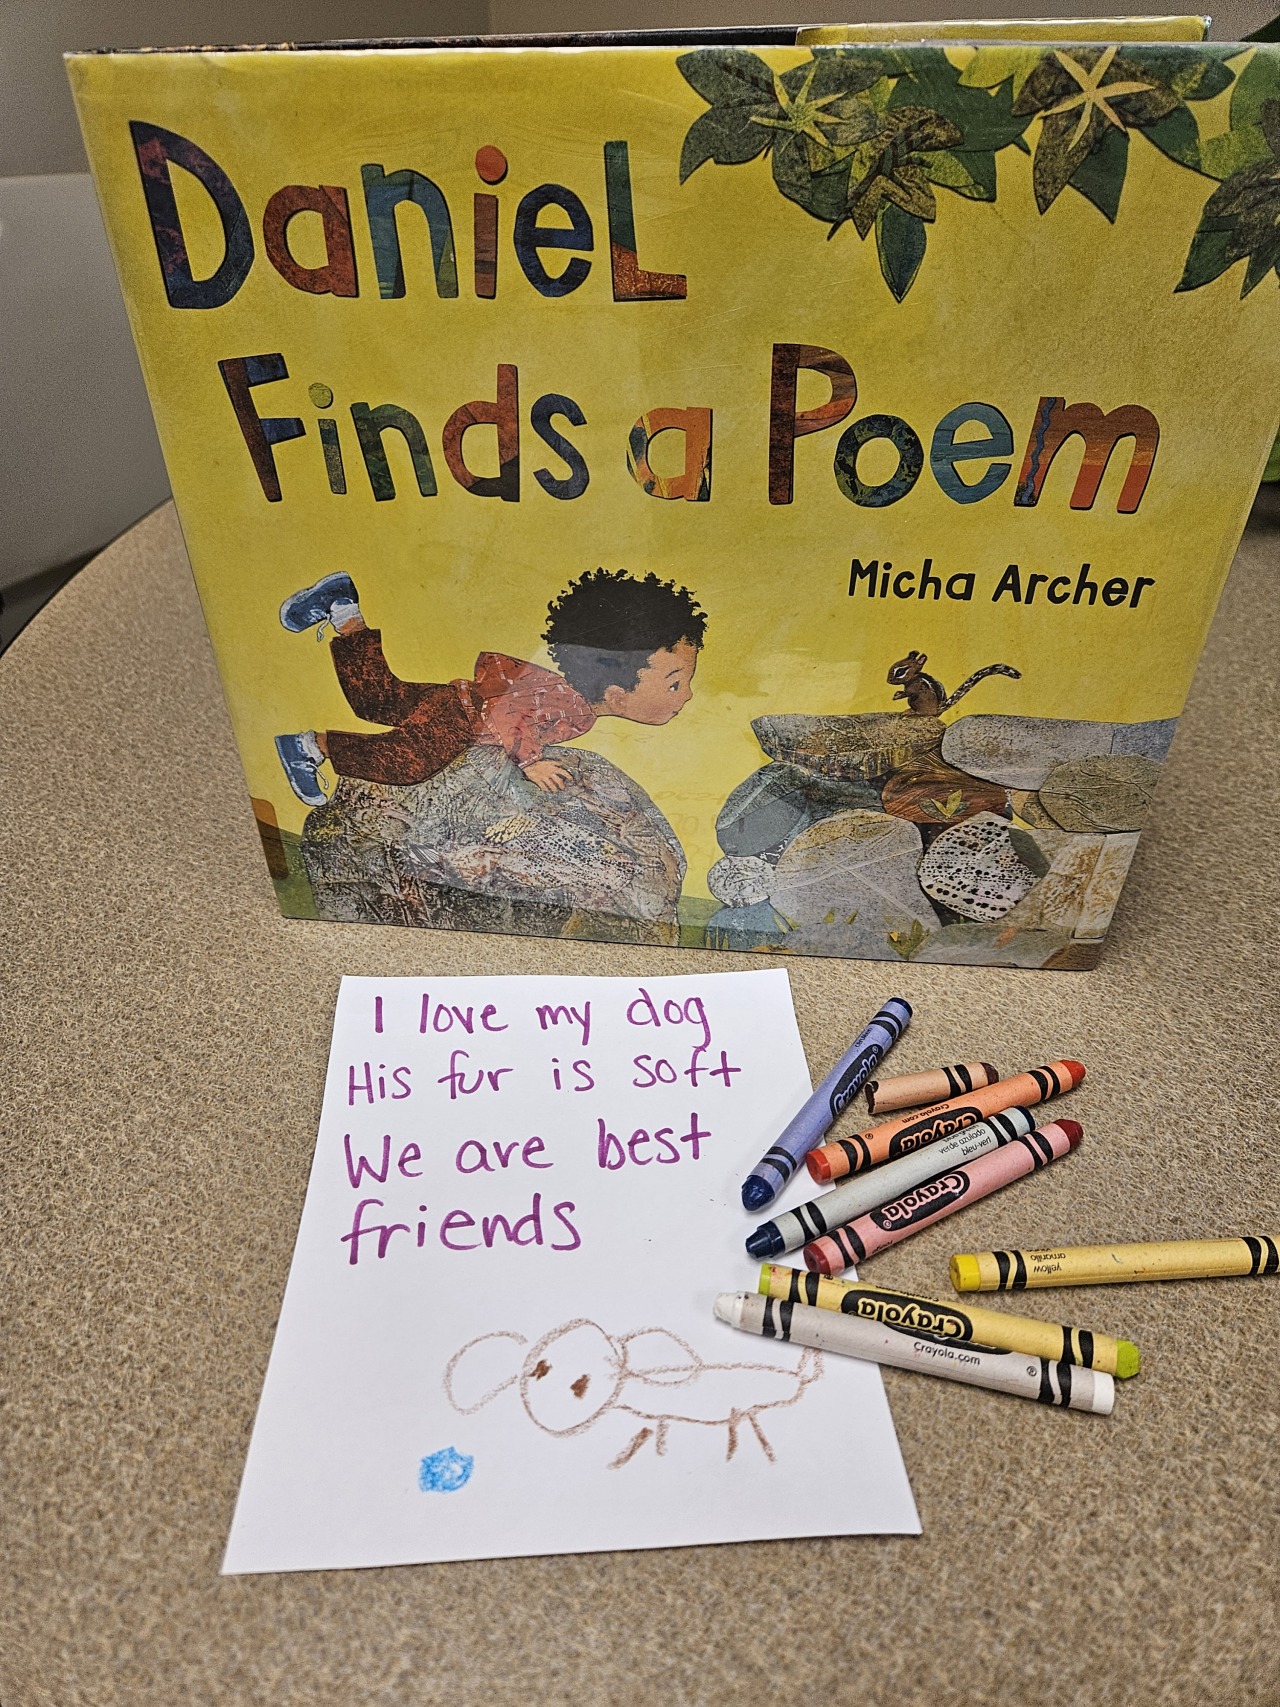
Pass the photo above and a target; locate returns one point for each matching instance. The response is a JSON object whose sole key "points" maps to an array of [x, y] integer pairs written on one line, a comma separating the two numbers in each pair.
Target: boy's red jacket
{"points": [[522, 707]]}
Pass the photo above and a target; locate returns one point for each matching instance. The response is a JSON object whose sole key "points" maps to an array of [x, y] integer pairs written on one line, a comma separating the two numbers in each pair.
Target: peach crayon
{"points": [[916, 1090], [897, 1137]]}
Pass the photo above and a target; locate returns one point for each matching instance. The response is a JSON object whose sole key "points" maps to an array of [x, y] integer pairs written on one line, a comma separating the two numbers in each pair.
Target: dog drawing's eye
{"points": [[571, 1377]]}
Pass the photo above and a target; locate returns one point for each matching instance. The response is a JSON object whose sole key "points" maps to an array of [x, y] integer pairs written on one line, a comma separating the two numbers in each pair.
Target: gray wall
{"points": [[38, 129], [79, 452]]}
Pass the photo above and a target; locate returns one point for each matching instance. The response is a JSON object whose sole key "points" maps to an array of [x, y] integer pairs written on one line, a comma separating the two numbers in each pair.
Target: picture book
{"points": [[757, 491]]}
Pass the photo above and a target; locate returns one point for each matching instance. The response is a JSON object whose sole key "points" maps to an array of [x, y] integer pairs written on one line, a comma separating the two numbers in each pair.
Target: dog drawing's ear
{"points": [[482, 1369]]}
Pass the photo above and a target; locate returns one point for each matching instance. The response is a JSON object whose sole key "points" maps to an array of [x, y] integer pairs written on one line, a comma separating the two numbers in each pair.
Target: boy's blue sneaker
{"points": [[302, 759], [314, 604]]}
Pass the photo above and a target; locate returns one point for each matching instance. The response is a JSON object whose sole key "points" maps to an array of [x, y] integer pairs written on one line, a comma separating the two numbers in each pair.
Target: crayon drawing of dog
{"points": [[577, 1374]]}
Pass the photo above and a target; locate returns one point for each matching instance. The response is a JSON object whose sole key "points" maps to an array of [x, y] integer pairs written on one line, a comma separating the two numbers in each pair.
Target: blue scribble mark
{"points": [[445, 1472]]}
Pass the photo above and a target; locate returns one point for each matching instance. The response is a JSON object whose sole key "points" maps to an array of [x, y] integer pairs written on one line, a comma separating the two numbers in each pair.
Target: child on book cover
{"points": [[624, 646]]}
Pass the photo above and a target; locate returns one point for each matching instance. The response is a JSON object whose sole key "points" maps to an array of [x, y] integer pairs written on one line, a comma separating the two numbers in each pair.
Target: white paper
{"points": [[429, 1396]]}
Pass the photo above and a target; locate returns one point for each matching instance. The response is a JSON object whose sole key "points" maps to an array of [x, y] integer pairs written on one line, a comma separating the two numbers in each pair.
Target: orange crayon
{"points": [[915, 1090], [897, 1137]]}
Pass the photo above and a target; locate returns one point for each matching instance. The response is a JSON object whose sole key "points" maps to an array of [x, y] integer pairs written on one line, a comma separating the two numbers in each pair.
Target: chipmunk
{"points": [[925, 694]]}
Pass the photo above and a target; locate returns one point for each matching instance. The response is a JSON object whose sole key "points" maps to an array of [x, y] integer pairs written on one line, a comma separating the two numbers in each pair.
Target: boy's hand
{"points": [[547, 775]]}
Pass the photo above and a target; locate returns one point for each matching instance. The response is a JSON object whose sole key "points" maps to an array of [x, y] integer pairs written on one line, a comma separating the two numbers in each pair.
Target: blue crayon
{"points": [[835, 1093]]}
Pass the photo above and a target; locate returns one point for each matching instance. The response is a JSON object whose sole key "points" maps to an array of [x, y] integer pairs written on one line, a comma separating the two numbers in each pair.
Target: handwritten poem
{"points": [[497, 1335]]}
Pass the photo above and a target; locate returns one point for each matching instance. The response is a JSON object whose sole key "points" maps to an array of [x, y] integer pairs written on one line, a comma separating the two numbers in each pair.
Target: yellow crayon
{"points": [[1105, 1265], [1053, 1341]]}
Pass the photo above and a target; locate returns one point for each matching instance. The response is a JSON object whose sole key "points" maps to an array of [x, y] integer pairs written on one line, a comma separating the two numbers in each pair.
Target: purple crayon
{"points": [[835, 1093]]}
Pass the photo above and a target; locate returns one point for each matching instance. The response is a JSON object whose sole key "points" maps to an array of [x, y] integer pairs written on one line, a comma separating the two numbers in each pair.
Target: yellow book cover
{"points": [[746, 493]]}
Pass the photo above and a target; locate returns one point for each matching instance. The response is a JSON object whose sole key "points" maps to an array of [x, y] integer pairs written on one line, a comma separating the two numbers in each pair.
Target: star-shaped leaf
{"points": [[1080, 94]]}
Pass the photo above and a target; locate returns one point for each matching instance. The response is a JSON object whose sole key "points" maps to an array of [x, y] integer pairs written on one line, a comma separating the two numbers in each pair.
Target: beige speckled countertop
{"points": [[159, 1018]]}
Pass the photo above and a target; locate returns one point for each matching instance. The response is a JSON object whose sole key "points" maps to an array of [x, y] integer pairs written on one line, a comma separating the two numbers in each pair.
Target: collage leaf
{"points": [[740, 88], [865, 135], [900, 245], [1100, 177], [1241, 219]]}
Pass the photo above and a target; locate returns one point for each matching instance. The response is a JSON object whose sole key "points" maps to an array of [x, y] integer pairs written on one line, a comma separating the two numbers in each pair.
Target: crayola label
{"points": [[936, 1126], [919, 1204], [912, 1315]]}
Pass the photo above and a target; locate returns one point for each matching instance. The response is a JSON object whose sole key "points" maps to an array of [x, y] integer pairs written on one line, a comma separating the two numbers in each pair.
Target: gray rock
{"points": [[746, 928], [852, 879], [1020, 752], [1026, 805], [993, 945], [1152, 740], [864, 747], [779, 801], [1057, 901], [479, 847], [740, 882], [975, 870], [1098, 903], [1107, 794]]}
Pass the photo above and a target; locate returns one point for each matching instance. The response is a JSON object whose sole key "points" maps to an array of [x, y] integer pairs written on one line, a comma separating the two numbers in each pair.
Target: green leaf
{"points": [[900, 243], [968, 174], [907, 944], [1101, 178], [1178, 136], [1260, 264], [1191, 73], [825, 195], [1233, 150], [728, 76], [1257, 83], [1207, 259], [986, 121], [838, 73], [722, 134], [882, 58], [1058, 158], [991, 66]]}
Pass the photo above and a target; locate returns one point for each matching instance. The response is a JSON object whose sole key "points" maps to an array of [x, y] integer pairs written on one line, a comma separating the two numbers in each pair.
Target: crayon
{"points": [[956, 1189], [1106, 1265], [1053, 1341], [895, 1137], [834, 1094], [1062, 1384], [856, 1195], [914, 1090]]}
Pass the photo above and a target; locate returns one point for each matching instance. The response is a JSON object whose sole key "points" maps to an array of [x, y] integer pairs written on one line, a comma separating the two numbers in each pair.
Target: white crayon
{"points": [[1065, 1385], [860, 1193]]}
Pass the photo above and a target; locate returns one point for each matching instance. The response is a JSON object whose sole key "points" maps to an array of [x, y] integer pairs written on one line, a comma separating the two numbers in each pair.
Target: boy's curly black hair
{"points": [[606, 625]]}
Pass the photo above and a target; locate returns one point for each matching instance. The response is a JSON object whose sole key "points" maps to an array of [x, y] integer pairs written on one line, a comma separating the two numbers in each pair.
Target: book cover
{"points": [[763, 494]]}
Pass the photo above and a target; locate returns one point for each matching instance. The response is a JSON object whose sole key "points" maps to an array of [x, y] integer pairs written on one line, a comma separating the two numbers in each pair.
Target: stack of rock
{"points": [[993, 840]]}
